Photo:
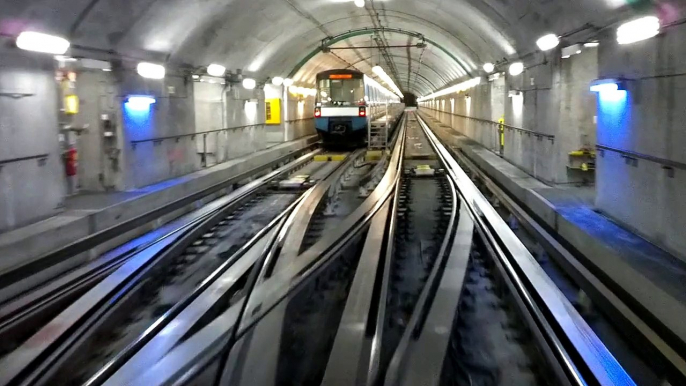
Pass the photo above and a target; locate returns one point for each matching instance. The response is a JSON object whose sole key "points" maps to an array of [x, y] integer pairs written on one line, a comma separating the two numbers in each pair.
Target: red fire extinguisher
{"points": [[71, 161]]}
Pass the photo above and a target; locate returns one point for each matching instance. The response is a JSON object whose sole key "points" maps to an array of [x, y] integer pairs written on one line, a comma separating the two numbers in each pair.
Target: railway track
{"points": [[138, 293], [651, 356], [423, 283], [401, 273]]}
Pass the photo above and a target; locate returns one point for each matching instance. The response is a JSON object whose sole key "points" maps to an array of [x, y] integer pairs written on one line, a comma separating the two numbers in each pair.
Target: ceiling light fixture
{"points": [[39, 42], [464, 86], [216, 70], [288, 82], [277, 81], [637, 30], [379, 71], [359, 3], [151, 70], [489, 67], [516, 68], [548, 42], [249, 83]]}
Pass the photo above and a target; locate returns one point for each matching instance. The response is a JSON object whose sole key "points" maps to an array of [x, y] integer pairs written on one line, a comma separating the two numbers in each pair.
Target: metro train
{"points": [[347, 102]]}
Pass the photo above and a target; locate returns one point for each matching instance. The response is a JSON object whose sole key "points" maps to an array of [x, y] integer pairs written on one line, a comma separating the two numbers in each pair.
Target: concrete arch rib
{"points": [[268, 37], [366, 32]]}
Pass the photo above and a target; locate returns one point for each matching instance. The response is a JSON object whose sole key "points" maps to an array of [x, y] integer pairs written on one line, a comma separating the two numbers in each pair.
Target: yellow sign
{"points": [[501, 129], [272, 111], [71, 104]]}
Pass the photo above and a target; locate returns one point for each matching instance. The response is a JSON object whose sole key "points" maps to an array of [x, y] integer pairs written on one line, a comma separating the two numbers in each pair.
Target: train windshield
{"points": [[341, 92]]}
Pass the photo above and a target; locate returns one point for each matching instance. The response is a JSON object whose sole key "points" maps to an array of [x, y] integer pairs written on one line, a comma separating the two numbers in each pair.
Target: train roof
{"points": [[340, 71]]}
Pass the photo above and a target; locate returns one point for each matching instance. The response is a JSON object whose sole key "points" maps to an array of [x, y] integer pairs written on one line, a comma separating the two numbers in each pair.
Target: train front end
{"points": [[341, 116]]}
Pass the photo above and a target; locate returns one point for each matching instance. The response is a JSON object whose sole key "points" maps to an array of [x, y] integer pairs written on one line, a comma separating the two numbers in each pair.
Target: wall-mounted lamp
{"points": [[516, 68], [571, 50], [151, 70], [638, 29], [602, 85], [216, 70], [139, 102], [548, 42], [249, 83]]}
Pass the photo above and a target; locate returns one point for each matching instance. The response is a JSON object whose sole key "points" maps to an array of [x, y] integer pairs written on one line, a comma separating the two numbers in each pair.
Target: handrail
{"points": [[632, 154], [506, 126], [39, 157], [192, 135]]}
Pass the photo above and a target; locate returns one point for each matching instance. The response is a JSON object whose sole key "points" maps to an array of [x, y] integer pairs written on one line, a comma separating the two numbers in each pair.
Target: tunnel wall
{"points": [[31, 189], [649, 120], [213, 113], [98, 168], [552, 99], [172, 115]]}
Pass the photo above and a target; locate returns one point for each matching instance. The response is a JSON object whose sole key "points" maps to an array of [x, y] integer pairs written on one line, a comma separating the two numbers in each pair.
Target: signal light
{"points": [[317, 112]]}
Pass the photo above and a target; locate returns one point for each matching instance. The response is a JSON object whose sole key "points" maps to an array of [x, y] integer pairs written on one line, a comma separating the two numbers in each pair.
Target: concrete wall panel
{"points": [[648, 119], [30, 190], [172, 115]]}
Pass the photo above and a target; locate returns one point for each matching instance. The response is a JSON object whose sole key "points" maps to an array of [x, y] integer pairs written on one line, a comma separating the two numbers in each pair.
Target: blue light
{"points": [[139, 103], [139, 118], [605, 87], [614, 118]]}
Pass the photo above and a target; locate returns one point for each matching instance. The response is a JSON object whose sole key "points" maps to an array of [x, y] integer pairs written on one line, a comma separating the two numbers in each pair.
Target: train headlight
{"points": [[317, 112], [363, 111]]}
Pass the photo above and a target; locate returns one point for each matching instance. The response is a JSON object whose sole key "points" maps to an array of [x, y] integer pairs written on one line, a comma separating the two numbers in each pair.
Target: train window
{"points": [[340, 92]]}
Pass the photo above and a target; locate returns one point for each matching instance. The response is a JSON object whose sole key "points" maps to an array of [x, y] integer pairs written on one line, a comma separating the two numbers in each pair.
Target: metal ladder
{"points": [[377, 135]]}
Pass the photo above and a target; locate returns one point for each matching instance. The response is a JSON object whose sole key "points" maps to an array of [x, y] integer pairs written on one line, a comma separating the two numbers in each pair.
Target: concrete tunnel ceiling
{"points": [[269, 38]]}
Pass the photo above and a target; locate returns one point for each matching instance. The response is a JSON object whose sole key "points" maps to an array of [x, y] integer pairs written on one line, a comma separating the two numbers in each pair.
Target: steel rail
{"points": [[201, 349], [264, 347], [419, 313], [292, 245], [40, 355], [171, 328], [629, 319], [264, 336], [18, 273], [422, 362], [350, 360], [17, 314], [579, 351]]}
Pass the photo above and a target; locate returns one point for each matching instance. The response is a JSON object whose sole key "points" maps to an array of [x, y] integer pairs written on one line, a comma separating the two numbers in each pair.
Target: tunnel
{"points": [[119, 119]]}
